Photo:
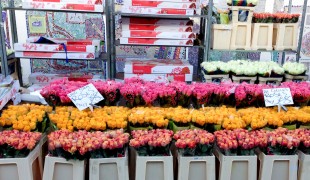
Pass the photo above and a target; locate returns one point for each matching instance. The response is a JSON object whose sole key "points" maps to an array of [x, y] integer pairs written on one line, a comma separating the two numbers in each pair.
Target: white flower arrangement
{"points": [[294, 68], [244, 68]]}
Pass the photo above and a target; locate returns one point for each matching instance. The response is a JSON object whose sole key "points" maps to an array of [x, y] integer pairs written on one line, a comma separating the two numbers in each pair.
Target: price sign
{"points": [[85, 97], [278, 97]]}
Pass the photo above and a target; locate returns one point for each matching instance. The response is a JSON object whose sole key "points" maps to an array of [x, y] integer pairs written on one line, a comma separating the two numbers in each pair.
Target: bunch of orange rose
{"points": [[25, 117]]}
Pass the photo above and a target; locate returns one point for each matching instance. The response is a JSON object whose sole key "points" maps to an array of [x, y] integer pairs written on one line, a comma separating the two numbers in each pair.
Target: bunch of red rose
{"points": [[15, 143], [194, 142], [282, 142], [152, 143], [83, 144], [240, 141], [304, 137]]}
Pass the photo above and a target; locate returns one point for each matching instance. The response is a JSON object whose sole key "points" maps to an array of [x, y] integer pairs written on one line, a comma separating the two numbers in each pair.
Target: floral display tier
{"points": [[278, 167], [109, 168], [57, 168]]}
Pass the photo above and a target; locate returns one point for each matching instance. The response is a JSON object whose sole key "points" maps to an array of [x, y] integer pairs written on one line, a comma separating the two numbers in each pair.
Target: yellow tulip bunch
{"points": [[24, 117], [144, 116]]}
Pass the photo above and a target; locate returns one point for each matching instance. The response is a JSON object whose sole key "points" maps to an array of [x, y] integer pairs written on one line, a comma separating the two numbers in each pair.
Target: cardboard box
{"points": [[148, 27], [155, 21], [162, 77], [165, 11], [161, 4], [95, 42], [54, 55], [43, 78], [53, 47], [63, 6], [93, 2], [161, 42], [158, 67], [153, 34]]}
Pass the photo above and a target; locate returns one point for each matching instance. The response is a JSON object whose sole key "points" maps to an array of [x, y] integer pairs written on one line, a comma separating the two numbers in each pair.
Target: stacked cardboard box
{"points": [[149, 31], [72, 49], [73, 5], [159, 70]]}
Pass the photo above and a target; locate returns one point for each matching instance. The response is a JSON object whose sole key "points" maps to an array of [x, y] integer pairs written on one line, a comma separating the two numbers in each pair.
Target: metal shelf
{"points": [[102, 56], [117, 43], [51, 10], [160, 15]]}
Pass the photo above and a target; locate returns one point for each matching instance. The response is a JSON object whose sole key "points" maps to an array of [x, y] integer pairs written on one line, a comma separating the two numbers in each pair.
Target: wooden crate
{"points": [[215, 78], [291, 78], [262, 36], [221, 36], [235, 11], [270, 80], [241, 79], [241, 36], [285, 36]]}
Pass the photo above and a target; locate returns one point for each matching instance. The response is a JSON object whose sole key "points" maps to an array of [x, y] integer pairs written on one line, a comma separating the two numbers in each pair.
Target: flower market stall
{"points": [[206, 118]]}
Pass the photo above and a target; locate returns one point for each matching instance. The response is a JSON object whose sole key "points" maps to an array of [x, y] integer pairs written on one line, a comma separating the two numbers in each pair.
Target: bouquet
{"points": [[194, 142], [224, 93], [282, 142], [304, 136], [16, 144], [285, 18], [145, 117], [295, 69], [262, 18], [27, 117], [202, 94], [240, 142], [110, 90], [151, 143], [184, 93], [180, 118], [215, 67], [250, 3], [300, 92], [250, 95], [100, 119], [82, 144]]}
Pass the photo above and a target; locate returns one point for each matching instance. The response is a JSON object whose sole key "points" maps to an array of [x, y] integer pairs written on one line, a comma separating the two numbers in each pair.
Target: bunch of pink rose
{"points": [[202, 93], [56, 92], [224, 94], [83, 144], [152, 143], [194, 142], [300, 92], [240, 141], [250, 94], [15, 144], [184, 93], [110, 90]]}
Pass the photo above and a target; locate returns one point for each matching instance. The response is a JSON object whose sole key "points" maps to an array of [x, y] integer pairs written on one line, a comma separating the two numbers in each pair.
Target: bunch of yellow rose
{"points": [[71, 118], [254, 117], [24, 117], [145, 116], [179, 115], [117, 117]]}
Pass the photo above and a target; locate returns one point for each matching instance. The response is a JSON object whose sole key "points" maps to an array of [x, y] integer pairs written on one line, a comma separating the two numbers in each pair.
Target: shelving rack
{"points": [[202, 47], [209, 26], [11, 10]]}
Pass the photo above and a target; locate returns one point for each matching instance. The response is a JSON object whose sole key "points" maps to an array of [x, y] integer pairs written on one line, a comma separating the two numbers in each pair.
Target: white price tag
{"points": [[278, 96], [85, 97]]}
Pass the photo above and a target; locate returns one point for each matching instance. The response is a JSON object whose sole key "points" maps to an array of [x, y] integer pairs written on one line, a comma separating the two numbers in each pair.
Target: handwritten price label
{"points": [[278, 96], [85, 97]]}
